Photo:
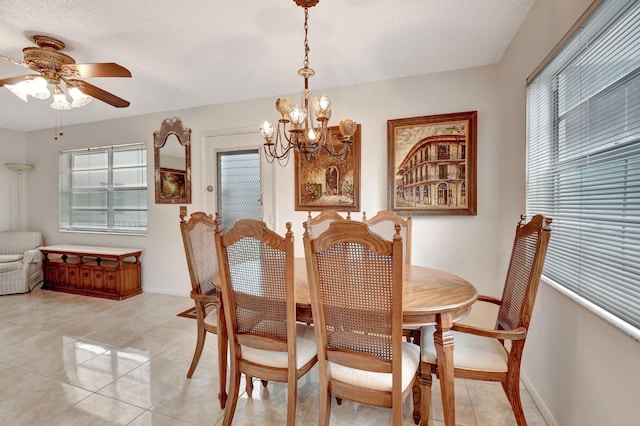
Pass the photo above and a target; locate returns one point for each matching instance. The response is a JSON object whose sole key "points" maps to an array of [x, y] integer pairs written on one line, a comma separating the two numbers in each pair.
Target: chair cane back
{"points": [[481, 354], [320, 223], [361, 353], [198, 236], [383, 224], [256, 271]]}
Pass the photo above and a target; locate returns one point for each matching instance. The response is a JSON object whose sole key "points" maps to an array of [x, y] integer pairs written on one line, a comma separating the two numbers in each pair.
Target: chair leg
{"points": [[425, 390], [292, 395], [325, 403], [512, 389], [396, 408], [249, 387], [417, 395], [223, 344], [202, 334], [234, 387]]}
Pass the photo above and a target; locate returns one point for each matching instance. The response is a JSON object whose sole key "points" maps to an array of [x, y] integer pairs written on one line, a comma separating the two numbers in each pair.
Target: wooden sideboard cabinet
{"points": [[108, 272]]}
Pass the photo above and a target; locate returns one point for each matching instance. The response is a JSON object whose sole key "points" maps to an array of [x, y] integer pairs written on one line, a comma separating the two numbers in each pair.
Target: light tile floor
{"points": [[77, 360]]}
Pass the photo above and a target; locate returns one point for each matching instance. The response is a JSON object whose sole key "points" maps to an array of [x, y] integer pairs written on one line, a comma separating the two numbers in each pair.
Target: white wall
{"points": [[580, 369], [435, 239], [12, 150], [567, 346]]}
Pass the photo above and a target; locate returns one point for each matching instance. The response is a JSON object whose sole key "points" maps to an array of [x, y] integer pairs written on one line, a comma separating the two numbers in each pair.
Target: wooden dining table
{"points": [[429, 297]]}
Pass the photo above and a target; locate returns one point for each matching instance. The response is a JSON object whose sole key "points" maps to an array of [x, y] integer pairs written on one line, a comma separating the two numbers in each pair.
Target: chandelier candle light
{"points": [[295, 129]]}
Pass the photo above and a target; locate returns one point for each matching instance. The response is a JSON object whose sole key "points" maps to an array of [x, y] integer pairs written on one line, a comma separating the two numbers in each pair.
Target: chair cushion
{"points": [[212, 317], [470, 352], [6, 258], [10, 266], [379, 381], [305, 350]]}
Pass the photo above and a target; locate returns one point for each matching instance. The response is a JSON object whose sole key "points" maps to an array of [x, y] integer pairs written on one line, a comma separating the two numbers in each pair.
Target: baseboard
{"points": [[165, 292], [542, 407]]}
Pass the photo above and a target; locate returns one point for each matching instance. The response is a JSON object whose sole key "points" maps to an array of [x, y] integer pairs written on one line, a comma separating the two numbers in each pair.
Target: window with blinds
{"points": [[104, 190], [583, 160]]}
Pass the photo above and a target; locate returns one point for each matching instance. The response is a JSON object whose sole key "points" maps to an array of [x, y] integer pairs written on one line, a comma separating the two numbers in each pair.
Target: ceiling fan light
{"points": [[79, 98], [19, 89], [38, 88], [59, 99]]}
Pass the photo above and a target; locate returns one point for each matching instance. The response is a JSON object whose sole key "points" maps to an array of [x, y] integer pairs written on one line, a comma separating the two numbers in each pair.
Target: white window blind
{"points": [[104, 189], [583, 159]]}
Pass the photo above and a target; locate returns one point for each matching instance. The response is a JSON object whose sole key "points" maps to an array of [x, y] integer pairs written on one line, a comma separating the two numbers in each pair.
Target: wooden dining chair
{"points": [[383, 224], [318, 224], [481, 354], [256, 272], [198, 236], [361, 353]]}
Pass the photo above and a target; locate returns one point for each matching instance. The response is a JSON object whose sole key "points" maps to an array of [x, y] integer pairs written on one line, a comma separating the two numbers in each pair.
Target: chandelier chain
{"points": [[295, 129], [306, 38]]}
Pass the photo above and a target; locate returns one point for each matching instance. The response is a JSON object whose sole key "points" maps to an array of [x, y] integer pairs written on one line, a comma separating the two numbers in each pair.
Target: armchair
{"points": [[495, 354], [20, 261]]}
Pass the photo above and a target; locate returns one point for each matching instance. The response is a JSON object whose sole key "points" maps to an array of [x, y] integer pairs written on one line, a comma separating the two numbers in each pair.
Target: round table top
{"points": [[426, 292]]}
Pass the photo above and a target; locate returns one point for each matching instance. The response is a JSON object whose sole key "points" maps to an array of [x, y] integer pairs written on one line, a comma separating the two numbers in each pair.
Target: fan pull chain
{"points": [[58, 127]]}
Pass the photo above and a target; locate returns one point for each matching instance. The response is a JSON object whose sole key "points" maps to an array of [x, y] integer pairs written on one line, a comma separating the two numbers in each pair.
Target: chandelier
{"points": [[37, 87], [295, 129]]}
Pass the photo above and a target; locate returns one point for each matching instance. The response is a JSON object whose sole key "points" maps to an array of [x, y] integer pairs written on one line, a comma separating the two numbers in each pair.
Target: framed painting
{"points": [[172, 184], [432, 164], [329, 182]]}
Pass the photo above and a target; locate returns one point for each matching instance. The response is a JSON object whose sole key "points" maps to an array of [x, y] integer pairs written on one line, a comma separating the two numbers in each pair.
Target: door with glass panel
{"points": [[238, 181], [239, 186]]}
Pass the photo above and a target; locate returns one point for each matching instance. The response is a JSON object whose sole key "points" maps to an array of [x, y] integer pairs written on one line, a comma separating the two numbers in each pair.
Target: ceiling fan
{"points": [[54, 67]]}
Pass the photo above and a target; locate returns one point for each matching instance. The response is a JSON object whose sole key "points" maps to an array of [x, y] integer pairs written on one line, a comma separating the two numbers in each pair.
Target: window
{"points": [[104, 190], [443, 152], [583, 162], [443, 171]]}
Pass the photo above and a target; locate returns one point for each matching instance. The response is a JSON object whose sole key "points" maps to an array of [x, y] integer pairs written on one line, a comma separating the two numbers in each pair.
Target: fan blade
{"points": [[12, 80], [103, 69], [14, 61], [100, 94]]}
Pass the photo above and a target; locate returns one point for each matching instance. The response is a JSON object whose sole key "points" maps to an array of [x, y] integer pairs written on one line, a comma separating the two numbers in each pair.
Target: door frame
{"points": [[230, 140]]}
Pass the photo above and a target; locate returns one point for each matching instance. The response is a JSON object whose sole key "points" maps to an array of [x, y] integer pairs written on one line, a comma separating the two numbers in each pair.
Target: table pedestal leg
{"points": [[443, 340]]}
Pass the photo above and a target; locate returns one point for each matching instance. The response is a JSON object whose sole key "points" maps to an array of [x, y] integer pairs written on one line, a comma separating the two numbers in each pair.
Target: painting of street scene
{"points": [[328, 182], [432, 164]]}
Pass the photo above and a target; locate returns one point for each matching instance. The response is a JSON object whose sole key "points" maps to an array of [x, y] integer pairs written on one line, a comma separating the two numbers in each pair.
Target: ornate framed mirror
{"points": [[172, 158]]}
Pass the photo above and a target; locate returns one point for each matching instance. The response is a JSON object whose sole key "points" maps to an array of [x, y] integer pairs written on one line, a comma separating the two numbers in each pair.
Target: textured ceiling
{"points": [[201, 52]]}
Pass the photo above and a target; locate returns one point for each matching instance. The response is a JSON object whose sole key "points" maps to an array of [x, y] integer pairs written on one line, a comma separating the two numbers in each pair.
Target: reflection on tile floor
{"points": [[77, 360]]}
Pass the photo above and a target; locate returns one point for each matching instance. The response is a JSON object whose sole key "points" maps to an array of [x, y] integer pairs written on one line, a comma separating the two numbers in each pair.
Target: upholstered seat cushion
{"points": [[305, 350], [212, 317], [10, 266], [379, 381], [470, 352], [6, 258]]}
